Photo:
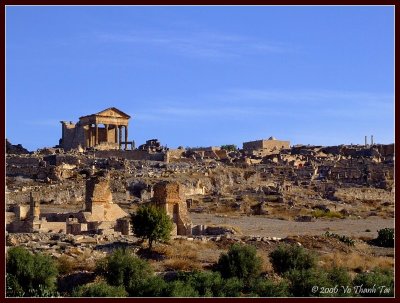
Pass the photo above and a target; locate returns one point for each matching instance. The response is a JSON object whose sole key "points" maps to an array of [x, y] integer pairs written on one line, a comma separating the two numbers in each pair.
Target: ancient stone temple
{"points": [[88, 132], [167, 196]]}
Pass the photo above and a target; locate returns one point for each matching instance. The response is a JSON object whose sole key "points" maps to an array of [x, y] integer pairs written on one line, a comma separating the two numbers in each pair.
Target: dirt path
{"points": [[280, 228]]}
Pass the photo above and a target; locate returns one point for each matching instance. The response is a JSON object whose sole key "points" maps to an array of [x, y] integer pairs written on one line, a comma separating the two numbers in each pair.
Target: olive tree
{"points": [[151, 223]]}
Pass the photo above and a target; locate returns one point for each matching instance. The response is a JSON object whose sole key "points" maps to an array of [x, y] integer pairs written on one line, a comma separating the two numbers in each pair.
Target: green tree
{"points": [[99, 289], [29, 274], [289, 257], [151, 223], [241, 262], [123, 268]]}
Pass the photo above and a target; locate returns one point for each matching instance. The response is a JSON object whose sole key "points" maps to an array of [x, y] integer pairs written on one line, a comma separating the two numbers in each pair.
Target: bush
{"points": [[181, 289], [211, 284], [344, 239], [339, 276], [267, 288], [99, 289], [382, 281], [385, 237], [30, 275], [314, 282], [302, 282], [229, 147], [122, 268], [319, 213], [151, 223], [289, 257], [241, 262], [154, 287], [231, 288], [65, 265]]}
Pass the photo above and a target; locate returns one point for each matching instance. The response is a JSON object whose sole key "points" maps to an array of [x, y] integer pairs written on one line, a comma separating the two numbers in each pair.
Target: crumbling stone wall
{"points": [[265, 144], [167, 195], [97, 191]]}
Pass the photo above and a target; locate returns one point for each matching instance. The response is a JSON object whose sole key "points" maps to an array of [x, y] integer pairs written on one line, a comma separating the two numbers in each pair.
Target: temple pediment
{"points": [[112, 112]]}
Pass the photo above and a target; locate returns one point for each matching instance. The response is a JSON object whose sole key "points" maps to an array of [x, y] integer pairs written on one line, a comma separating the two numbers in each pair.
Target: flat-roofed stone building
{"points": [[88, 133], [265, 146]]}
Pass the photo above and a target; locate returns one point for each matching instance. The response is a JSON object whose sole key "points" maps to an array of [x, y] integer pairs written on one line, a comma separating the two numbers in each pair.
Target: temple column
{"points": [[96, 138], [90, 135], [120, 136], [116, 133], [106, 125], [126, 137]]}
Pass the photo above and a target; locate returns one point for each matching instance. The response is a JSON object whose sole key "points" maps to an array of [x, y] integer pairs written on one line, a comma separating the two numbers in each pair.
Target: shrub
{"points": [[229, 147], [122, 268], [267, 288], [65, 265], [181, 289], [314, 282], [154, 287], [30, 275], [151, 223], [241, 262], [302, 282], [318, 213], [99, 289], [231, 288], [344, 239], [289, 257], [385, 237], [211, 284], [382, 281], [339, 276]]}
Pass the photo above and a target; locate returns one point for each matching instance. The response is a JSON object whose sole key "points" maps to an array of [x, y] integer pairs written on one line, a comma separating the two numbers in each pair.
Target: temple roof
{"points": [[109, 112]]}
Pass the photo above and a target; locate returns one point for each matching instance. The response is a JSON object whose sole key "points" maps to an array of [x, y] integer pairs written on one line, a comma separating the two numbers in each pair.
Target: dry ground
{"points": [[266, 227]]}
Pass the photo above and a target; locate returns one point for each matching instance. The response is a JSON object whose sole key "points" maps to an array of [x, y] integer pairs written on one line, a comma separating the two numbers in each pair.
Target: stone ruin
{"points": [[101, 215], [167, 195]]}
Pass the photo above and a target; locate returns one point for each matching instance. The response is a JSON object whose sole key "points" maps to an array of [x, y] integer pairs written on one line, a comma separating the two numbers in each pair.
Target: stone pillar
{"points": [[120, 136], [106, 125], [90, 135], [96, 137], [116, 133], [34, 210], [126, 137]]}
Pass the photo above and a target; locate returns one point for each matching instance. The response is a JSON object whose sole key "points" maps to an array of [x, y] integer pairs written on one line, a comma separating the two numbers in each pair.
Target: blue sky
{"points": [[202, 76]]}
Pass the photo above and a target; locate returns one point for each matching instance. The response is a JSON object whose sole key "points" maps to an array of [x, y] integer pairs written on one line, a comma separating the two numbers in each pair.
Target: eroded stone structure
{"points": [[264, 146], [167, 195], [87, 133], [101, 215]]}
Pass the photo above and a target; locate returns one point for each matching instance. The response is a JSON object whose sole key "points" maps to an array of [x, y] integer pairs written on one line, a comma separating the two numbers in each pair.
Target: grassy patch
{"points": [[318, 213], [356, 262]]}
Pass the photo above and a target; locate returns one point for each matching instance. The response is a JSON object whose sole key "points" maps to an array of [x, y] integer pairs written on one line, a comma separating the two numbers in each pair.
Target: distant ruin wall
{"points": [[130, 155], [265, 144]]}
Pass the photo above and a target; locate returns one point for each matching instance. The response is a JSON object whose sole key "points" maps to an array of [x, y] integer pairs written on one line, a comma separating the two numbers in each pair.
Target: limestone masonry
{"points": [[92, 182], [87, 133]]}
